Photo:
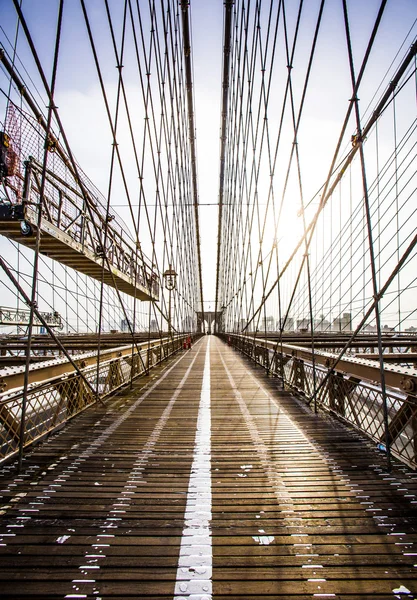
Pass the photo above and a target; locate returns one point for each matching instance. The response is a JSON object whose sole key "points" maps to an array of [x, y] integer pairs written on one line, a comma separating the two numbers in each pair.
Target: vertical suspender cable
{"points": [[191, 128], [355, 101], [223, 136], [329, 187], [38, 234]]}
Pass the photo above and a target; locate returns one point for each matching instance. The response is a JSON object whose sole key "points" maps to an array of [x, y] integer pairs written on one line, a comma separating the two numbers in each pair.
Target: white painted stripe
{"points": [[134, 476], [196, 558]]}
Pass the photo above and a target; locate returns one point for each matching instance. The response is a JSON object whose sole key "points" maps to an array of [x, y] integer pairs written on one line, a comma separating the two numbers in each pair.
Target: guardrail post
{"points": [[297, 375]]}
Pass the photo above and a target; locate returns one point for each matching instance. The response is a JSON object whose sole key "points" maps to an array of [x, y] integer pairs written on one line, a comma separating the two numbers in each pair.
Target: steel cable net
{"points": [[103, 91], [64, 204], [317, 197], [130, 133], [288, 98]]}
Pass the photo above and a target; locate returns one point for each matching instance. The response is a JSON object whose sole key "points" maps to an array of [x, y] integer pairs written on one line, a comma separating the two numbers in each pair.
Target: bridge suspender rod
{"points": [[348, 160], [223, 136], [45, 324], [190, 105], [296, 124], [355, 102], [309, 228], [38, 234], [306, 258], [73, 163], [171, 132], [112, 161]]}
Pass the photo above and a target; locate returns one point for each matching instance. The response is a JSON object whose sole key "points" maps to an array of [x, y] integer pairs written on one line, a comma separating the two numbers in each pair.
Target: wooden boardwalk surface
{"points": [[204, 481]]}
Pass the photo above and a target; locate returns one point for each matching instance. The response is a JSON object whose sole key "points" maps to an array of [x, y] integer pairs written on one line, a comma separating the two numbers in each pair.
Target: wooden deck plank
{"points": [[295, 498]]}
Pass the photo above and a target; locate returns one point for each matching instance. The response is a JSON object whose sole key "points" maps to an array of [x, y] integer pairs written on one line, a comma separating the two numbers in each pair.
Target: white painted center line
{"points": [[195, 560], [134, 476]]}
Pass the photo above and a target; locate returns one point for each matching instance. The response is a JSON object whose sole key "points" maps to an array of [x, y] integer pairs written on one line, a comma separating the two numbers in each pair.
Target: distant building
{"points": [[188, 324], [124, 325], [303, 324], [249, 328], [322, 324], [288, 325], [240, 325], [268, 324], [384, 329], [343, 323]]}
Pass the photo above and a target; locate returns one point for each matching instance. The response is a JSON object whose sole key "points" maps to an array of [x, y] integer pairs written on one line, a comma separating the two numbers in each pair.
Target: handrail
{"points": [[350, 390], [57, 391]]}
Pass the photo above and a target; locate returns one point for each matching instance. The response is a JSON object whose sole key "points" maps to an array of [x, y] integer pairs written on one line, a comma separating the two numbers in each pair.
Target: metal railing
{"points": [[21, 317], [74, 212], [57, 392], [64, 208], [350, 390]]}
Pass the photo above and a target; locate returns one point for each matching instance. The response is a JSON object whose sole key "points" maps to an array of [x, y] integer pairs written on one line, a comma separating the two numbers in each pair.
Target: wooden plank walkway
{"points": [[204, 481]]}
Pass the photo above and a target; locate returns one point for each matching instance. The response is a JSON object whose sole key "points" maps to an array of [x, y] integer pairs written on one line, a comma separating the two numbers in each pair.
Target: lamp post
{"points": [[170, 278]]}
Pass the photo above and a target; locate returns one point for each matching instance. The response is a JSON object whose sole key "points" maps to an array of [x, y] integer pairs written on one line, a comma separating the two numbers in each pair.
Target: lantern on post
{"points": [[170, 278]]}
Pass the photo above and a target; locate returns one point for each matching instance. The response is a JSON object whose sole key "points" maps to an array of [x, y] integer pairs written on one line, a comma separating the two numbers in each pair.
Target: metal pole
{"points": [[169, 314], [26, 198], [355, 102]]}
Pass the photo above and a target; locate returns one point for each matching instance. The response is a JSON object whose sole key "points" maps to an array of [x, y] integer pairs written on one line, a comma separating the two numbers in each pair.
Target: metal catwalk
{"points": [[207, 481]]}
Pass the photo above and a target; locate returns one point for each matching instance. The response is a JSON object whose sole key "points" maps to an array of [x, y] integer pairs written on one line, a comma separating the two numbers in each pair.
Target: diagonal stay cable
{"points": [[330, 187]]}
